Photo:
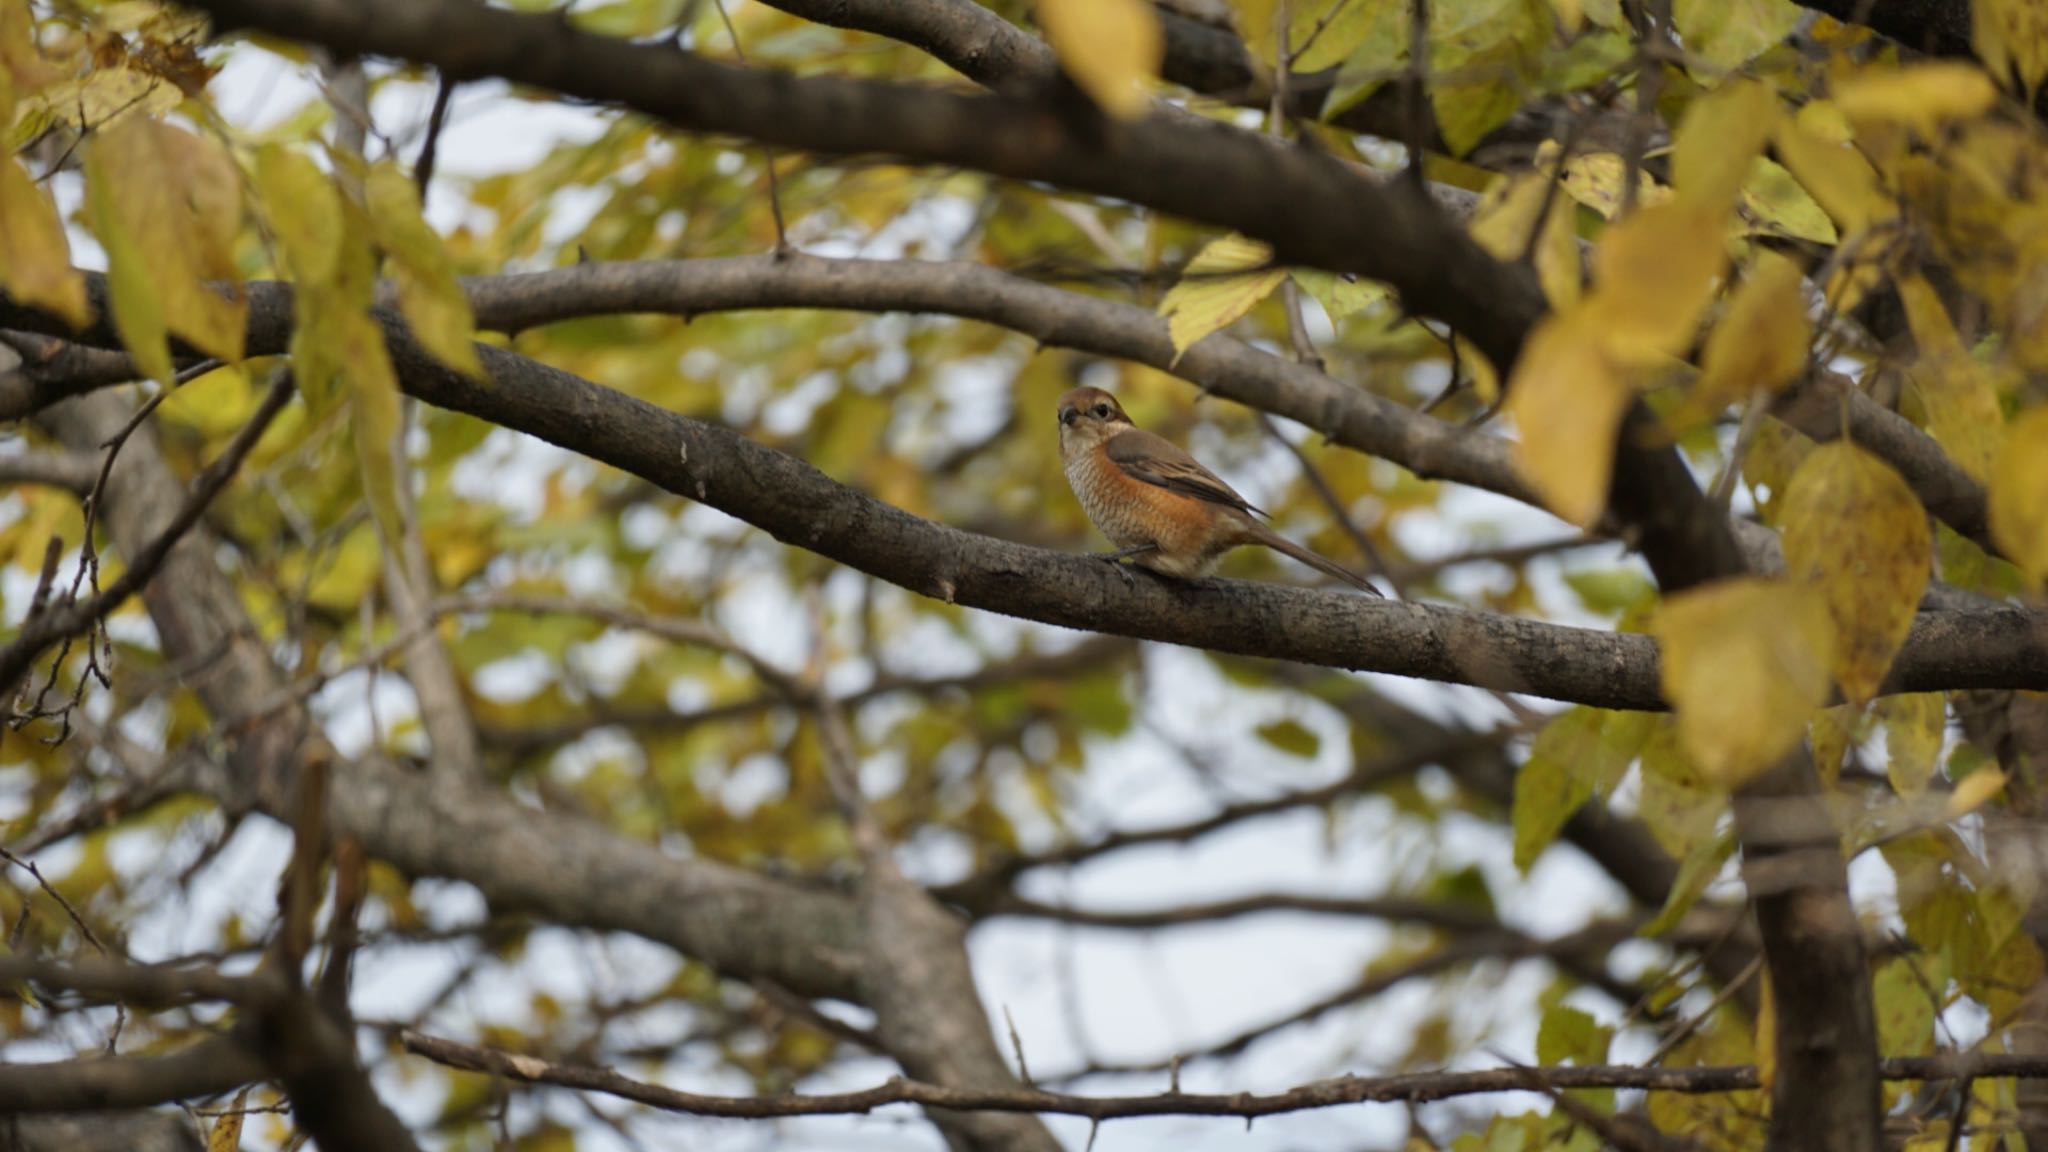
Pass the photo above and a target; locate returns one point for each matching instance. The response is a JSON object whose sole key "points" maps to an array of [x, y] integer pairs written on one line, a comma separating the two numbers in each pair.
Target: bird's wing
{"points": [[1157, 461]]}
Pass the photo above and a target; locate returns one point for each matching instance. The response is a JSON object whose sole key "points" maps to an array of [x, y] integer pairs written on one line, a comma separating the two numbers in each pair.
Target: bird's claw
{"points": [[1116, 562]]}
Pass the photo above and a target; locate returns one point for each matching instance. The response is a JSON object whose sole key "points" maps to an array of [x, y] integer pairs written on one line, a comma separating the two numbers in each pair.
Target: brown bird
{"points": [[1160, 508]]}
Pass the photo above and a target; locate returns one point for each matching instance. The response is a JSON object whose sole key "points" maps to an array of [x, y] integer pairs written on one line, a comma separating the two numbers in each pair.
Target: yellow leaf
{"points": [[1110, 48], [1653, 276], [1762, 340], [1225, 280], [1962, 411], [99, 99], [22, 67], [1595, 179], [35, 257], [1745, 667], [1780, 206], [166, 204], [1566, 398], [1974, 790], [1955, 389], [1506, 221], [1726, 34], [1258, 26], [1834, 172], [1928, 318], [429, 296], [1853, 526], [304, 212], [2019, 497], [1918, 95], [374, 392], [2011, 37], [227, 1130], [1914, 724], [1723, 132], [1846, 186]]}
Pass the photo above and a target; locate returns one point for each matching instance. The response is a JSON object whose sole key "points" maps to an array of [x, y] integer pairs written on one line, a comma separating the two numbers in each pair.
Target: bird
{"points": [[1157, 504]]}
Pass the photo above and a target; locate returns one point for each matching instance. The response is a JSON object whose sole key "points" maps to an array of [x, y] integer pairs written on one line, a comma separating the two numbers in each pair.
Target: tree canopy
{"points": [[540, 635]]}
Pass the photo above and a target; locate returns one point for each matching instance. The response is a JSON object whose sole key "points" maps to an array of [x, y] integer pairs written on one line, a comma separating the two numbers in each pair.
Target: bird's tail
{"points": [[1282, 544]]}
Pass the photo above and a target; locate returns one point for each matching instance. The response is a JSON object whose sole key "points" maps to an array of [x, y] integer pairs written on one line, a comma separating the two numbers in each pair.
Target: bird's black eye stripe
{"points": [[1102, 410]]}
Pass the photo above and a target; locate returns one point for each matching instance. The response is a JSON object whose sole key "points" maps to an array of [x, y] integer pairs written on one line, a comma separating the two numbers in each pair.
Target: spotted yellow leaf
{"points": [[1853, 526], [226, 1135]]}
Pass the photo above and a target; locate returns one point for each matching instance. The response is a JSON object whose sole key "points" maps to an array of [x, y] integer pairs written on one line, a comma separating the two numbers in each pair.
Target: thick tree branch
{"points": [[1994, 648], [1313, 208]]}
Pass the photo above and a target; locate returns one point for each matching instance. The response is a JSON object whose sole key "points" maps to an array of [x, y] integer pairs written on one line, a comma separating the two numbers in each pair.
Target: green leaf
{"points": [[1611, 591], [1580, 752], [1678, 803], [1568, 1034], [1696, 872], [1341, 296], [1291, 737]]}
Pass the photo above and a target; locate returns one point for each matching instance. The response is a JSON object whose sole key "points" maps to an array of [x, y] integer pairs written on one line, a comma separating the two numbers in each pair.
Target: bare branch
{"points": [[1419, 1087]]}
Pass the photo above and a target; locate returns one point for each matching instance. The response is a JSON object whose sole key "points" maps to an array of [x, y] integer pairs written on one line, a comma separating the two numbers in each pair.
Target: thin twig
{"points": [[1410, 1087]]}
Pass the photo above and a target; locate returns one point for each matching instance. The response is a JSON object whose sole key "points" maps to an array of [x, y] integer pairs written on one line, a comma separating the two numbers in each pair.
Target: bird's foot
{"points": [[1116, 561]]}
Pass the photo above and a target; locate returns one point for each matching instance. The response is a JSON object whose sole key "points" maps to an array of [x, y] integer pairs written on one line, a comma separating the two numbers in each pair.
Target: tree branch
{"points": [[1412, 1088], [1312, 208]]}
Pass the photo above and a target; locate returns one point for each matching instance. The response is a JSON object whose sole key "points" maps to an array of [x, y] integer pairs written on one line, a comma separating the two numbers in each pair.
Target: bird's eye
{"points": [[1102, 411]]}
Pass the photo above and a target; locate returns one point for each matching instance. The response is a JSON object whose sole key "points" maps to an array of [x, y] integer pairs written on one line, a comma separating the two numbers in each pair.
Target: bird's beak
{"points": [[1068, 416]]}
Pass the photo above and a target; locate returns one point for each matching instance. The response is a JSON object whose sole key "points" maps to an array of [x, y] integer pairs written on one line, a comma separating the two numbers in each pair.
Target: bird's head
{"points": [[1088, 416]]}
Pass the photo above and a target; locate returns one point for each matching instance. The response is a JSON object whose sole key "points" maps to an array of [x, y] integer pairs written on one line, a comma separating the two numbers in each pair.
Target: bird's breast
{"points": [[1134, 514]]}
